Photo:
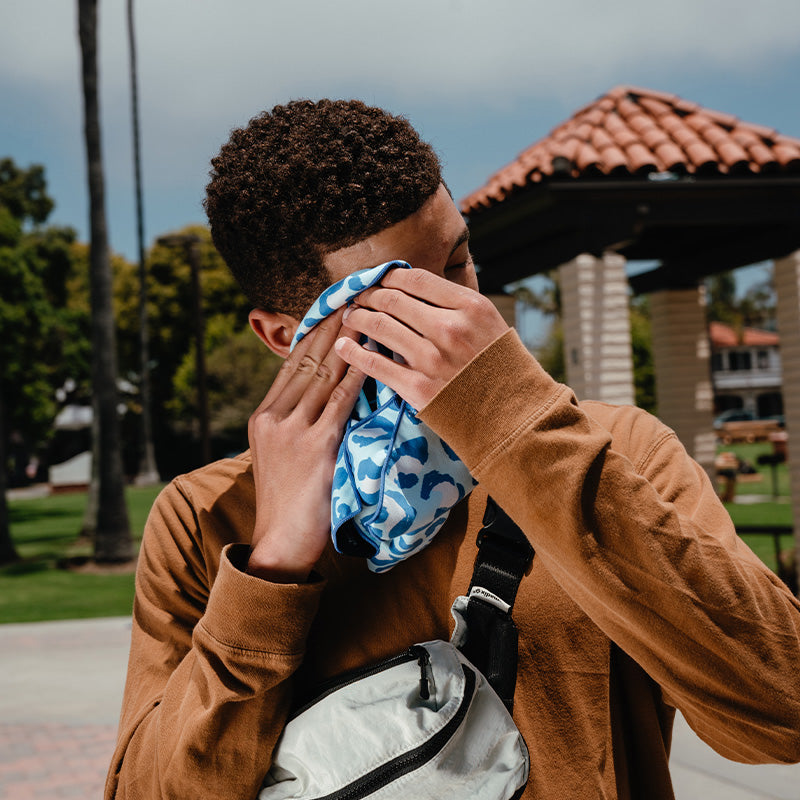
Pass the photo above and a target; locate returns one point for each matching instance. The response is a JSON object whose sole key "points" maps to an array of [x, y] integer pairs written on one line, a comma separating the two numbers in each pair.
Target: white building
{"points": [[746, 370]]}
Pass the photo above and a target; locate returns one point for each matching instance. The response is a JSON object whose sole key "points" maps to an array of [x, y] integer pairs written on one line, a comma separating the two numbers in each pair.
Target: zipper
{"points": [[414, 759], [424, 663], [340, 681]]}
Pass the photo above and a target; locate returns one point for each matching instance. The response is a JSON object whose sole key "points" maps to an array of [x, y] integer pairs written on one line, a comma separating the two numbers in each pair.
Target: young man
{"points": [[641, 598]]}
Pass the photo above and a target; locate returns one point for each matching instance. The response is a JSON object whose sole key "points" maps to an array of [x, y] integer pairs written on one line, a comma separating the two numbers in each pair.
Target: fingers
{"points": [[302, 367], [329, 378], [453, 318], [426, 286], [399, 336], [412, 385], [429, 305], [436, 326], [343, 397]]}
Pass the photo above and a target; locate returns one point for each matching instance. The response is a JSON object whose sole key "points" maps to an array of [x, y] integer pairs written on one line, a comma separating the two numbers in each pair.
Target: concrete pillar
{"points": [[597, 328], [683, 375], [506, 304], [787, 287]]}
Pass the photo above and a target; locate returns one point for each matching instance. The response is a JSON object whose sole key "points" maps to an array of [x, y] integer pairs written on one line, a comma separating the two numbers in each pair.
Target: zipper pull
{"points": [[424, 662]]}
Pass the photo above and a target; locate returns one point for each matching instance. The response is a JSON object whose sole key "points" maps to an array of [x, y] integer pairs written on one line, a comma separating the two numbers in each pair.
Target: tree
{"points": [[721, 304], [240, 370], [644, 372], [112, 536], [43, 338], [546, 299], [754, 309], [23, 192], [551, 353], [169, 308]]}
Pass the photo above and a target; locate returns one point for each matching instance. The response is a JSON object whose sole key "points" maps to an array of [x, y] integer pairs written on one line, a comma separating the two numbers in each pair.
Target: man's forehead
{"points": [[428, 235]]}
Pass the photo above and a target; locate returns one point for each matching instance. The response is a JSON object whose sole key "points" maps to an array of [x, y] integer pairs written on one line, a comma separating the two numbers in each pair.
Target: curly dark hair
{"points": [[305, 179]]}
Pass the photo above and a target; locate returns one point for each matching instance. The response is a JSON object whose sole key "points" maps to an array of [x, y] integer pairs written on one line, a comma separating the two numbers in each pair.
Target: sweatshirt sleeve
{"points": [[632, 529], [209, 673]]}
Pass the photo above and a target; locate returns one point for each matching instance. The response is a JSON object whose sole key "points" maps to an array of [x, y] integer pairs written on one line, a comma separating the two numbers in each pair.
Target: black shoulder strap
{"points": [[504, 557]]}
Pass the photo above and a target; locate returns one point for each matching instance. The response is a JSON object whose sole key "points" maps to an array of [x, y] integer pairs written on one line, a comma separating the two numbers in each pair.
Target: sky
{"points": [[480, 80]]}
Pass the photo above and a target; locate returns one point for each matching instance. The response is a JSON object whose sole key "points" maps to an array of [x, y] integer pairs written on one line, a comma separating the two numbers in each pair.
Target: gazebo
{"points": [[647, 176]]}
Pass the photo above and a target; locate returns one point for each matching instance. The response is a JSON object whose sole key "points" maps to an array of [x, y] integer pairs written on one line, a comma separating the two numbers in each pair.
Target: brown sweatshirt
{"points": [[641, 599]]}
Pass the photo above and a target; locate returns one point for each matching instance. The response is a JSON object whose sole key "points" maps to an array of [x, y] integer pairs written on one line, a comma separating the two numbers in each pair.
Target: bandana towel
{"points": [[395, 480]]}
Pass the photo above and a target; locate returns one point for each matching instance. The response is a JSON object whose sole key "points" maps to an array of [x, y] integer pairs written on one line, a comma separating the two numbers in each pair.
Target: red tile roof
{"points": [[632, 131], [722, 335]]}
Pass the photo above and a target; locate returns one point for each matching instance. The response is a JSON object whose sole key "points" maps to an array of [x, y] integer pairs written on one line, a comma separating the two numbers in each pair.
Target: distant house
{"points": [[746, 370]]}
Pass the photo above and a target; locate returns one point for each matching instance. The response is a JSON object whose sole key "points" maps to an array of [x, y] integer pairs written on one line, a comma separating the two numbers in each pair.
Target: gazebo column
{"points": [[787, 287], [597, 328], [683, 379]]}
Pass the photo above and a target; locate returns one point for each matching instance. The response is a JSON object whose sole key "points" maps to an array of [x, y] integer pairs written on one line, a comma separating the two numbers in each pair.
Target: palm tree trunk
{"points": [[148, 472], [89, 524], [112, 534]]}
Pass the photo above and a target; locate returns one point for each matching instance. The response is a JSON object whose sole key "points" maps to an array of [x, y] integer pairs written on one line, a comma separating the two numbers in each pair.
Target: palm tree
{"points": [[112, 536], [148, 473]]}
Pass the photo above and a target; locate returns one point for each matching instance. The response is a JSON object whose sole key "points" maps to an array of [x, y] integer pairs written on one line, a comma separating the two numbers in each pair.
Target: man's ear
{"points": [[275, 329]]}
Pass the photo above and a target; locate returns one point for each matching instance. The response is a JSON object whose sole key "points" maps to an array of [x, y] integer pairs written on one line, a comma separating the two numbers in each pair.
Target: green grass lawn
{"points": [[766, 512], [762, 483], [39, 586], [44, 530]]}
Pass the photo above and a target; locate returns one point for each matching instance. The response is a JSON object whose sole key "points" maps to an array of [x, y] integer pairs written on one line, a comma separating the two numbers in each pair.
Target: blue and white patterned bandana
{"points": [[395, 479]]}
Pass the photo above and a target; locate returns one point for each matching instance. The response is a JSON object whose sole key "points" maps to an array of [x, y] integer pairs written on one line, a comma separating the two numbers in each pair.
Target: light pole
{"points": [[190, 243]]}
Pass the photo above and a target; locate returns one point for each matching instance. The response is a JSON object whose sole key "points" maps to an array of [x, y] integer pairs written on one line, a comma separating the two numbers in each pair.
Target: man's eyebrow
{"points": [[464, 237]]}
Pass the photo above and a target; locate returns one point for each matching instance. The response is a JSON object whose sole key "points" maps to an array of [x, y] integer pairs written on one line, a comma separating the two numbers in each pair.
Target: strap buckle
{"points": [[501, 531]]}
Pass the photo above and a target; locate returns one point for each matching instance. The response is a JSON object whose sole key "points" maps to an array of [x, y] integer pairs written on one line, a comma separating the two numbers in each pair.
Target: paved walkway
{"points": [[60, 692]]}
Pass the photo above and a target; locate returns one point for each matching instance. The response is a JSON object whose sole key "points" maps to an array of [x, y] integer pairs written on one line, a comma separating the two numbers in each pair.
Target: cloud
{"points": [[208, 65], [201, 57], [203, 60], [447, 52]]}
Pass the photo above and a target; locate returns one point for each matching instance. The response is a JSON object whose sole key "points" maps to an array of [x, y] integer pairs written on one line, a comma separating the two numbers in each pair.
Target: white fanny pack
{"points": [[426, 723]]}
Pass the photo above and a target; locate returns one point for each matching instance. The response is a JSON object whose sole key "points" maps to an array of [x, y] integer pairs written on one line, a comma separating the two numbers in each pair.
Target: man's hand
{"points": [[437, 326], [294, 438]]}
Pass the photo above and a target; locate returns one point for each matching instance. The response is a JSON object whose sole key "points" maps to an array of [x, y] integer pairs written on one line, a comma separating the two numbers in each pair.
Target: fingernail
{"points": [[348, 311], [339, 344]]}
